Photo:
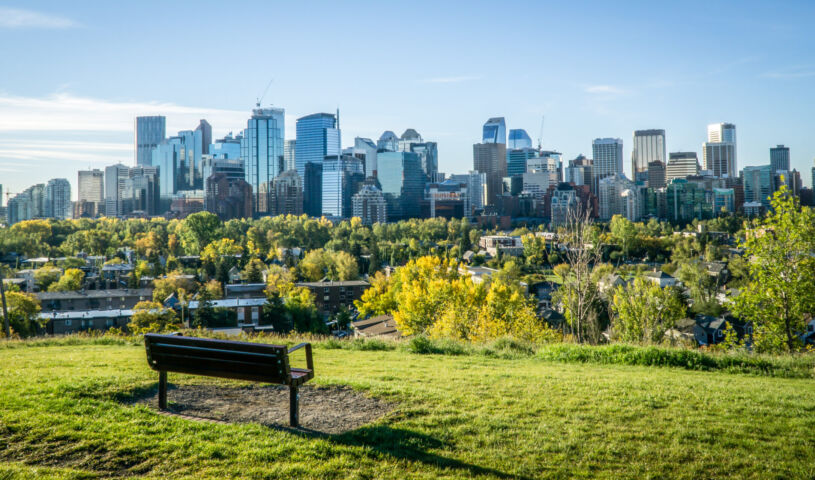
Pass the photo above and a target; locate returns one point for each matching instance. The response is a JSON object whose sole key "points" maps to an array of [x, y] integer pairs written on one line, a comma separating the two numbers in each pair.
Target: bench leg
{"points": [[294, 407], [162, 390]]}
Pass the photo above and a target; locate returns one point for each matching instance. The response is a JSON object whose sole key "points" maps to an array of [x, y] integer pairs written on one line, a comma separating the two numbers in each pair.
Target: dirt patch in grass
{"points": [[330, 410]]}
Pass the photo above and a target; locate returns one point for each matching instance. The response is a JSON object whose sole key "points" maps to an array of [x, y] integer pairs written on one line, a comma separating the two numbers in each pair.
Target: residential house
{"points": [[329, 295]]}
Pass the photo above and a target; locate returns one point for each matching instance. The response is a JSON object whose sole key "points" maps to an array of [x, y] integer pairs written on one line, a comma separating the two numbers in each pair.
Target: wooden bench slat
{"points": [[260, 358]]}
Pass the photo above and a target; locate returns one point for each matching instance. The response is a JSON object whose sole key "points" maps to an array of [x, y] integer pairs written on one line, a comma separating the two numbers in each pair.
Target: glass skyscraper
{"points": [[318, 136], [519, 139], [402, 181], [649, 146], [342, 177], [780, 158], [608, 159], [262, 153], [149, 132], [495, 131]]}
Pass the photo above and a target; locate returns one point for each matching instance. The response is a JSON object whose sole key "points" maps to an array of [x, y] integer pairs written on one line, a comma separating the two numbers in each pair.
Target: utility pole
{"points": [[6, 326]]}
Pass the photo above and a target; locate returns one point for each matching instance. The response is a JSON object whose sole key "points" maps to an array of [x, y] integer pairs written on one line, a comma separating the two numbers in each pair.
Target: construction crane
{"points": [[260, 99]]}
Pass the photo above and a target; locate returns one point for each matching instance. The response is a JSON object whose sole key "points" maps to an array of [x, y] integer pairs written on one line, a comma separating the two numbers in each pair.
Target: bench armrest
{"points": [[309, 361]]}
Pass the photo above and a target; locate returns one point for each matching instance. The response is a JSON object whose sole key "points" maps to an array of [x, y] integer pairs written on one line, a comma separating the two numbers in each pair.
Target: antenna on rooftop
{"points": [[260, 99], [540, 135]]}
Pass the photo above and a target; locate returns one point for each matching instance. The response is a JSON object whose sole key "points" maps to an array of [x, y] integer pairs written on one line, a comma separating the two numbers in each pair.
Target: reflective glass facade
{"points": [[342, 178], [518, 139], [402, 181], [262, 153], [149, 132], [317, 137], [495, 131]]}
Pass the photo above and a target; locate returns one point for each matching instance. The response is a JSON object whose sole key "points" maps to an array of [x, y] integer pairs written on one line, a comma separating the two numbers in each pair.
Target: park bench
{"points": [[255, 362]]}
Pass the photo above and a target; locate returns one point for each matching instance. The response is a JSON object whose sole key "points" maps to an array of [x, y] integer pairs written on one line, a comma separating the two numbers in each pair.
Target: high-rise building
{"points": [[262, 153], [476, 189], [446, 199], [318, 136], [495, 131], [228, 147], [408, 138], [288, 194], [289, 150], [681, 165], [648, 146], [139, 192], [370, 204], [388, 141], [91, 194], [656, 174], [26, 205], [723, 200], [719, 152], [547, 161], [780, 158], [758, 184], [228, 197], [720, 158], [579, 171], [563, 204], [608, 159], [519, 139], [149, 132], [429, 157], [402, 180], [365, 149], [618, 196], [491, 159], [686, 201], [114, 176], [203, 138], [313, 189], [517, 159], [58, 199], [342, 177]]}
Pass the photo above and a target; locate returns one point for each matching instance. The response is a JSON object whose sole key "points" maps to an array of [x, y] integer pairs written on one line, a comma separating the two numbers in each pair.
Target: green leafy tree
{"points": [[253, 271], [780, 295], [71, 280], [46, 275], [199, 230], [152, 317], [643, 312], [23, 312]]}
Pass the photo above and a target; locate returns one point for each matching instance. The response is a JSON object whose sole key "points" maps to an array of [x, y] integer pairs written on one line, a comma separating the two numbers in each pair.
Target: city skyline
{"points": [[66, 114]]}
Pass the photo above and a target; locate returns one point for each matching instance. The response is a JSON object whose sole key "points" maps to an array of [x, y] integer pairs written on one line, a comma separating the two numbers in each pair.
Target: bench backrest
{"points": [[218, 358]]}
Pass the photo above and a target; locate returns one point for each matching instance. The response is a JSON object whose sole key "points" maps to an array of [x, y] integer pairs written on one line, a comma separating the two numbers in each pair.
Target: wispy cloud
{"points": [[67, 112], [604, 90], [19, 18], [791, 73], [459, 79]]}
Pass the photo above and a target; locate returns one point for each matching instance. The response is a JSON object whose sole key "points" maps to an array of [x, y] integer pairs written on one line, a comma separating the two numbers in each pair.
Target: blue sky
{"points": [[74, 74]]}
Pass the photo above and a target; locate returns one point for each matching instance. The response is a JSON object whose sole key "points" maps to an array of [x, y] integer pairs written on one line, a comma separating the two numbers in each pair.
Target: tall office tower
{"points": [[720, 158], [547, 161], [228, 147], [491, 159], [519, 139], [758, 184], [1, 194], [579, 171], [365, 149], [656, 174], [681, 165], [318, 136], [288, 194], [518, 158], [313, 189], [402, 180], [648, 146], [342, 177], [407, 139], [58, 199], [139, 191], [262, 153], [228, 197], [203, 136], [114, 175], [812, 179], [780, 158], [618, 196], [149, 132], [495, 131], [608, 159], [26, 205], [388, 141], [429, 157], [289, 149], [91, 195], [476, 188], [370, 204], [721, 137]]}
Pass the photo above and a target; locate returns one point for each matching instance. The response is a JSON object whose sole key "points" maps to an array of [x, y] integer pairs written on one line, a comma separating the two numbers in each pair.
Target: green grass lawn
{"points": [[466, 416]]}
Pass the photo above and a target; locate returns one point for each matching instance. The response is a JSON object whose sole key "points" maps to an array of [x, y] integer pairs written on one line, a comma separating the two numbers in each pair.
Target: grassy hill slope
{"points": [[64, 414]]}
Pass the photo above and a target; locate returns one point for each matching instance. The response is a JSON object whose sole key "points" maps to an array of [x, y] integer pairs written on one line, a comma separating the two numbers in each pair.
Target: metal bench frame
{"points": [[256, 362]]}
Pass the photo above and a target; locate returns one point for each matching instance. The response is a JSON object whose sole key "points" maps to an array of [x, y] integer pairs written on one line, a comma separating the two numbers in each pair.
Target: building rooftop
{"points": [[117, 292]]}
